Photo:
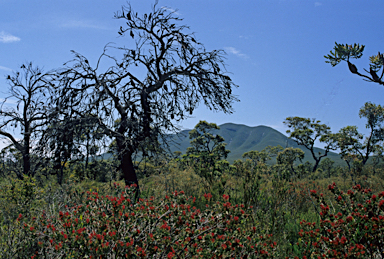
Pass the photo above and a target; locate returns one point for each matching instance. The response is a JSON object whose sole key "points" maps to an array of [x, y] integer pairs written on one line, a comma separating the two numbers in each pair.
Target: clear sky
{"points": [[274, 48]]}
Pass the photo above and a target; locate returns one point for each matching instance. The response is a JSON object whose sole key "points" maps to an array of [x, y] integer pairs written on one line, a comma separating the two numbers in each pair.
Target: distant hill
{"points": [[242, 138]]}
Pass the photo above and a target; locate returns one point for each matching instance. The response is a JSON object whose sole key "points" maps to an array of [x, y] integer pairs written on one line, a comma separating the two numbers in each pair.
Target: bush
{"points": [[19, 196], [114, 226], [351, 227]]}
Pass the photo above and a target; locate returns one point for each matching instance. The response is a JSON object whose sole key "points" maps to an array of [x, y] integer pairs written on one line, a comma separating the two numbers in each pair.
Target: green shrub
{"points": [[116, 227]]}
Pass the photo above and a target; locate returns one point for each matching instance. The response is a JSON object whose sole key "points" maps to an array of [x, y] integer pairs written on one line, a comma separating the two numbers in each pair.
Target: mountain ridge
{"points": [[241, 138]]}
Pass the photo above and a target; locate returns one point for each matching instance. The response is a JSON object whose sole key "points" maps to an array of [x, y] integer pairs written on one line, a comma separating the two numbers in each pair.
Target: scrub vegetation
{"points": [[95, 173]]}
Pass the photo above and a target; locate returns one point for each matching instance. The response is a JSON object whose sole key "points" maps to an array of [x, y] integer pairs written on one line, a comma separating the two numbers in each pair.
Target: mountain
{"points": [[242, 138]]}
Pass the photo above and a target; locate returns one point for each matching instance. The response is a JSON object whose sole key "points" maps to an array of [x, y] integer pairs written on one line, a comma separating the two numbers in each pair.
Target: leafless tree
{"points": [[24, 110]]}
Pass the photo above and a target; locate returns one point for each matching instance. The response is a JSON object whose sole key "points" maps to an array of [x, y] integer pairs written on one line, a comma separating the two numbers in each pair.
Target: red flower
{"points": [[208, 196]]}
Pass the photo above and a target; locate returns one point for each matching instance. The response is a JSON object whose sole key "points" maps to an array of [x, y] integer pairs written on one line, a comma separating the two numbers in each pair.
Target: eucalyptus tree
{"points": [[259, 158], [354, 148], [306, 132], [206, 151], [285, 162], [24, 111], [149, 88], [344, 52], [327, 165]]}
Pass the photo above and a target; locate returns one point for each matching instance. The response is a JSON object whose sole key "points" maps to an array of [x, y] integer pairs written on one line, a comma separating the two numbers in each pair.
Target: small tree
{"points": [[259, 158], [306, 131], [286, 159], [61, 142], [343, 52], [206, 150], [327, 165], [30, 90], [354, 148]]}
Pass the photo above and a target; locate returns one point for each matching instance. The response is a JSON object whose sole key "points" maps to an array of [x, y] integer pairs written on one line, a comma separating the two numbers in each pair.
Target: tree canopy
{"points": [[174, 74], [29, 89], [306, 132], [345, 52]]}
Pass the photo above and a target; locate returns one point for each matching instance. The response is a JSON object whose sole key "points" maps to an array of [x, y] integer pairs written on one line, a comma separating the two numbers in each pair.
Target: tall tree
{"points": [[344, 52], [153, 86], [306, 131], [29, 91]]}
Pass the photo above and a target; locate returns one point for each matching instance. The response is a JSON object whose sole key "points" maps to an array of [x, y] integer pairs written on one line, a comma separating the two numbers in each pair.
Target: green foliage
{"points": [[278, 205], [19, 196], [327, 166], [377, 61], [351, 225], [289, 155], [344, 52], [307, 131], [356, 150], [375, 118], [113, 226], [261, 157], [284, 168], [206, 151]]}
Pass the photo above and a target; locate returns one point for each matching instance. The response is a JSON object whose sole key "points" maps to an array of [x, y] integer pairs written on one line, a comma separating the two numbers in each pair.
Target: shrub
{"points": [[114, 226], [351, 227]]}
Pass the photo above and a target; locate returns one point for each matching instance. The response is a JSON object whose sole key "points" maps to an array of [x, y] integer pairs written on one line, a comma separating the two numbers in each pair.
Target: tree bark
{"points": [[26, 151], [317, 162], [127, 168], [126, 163], [26, 164]]}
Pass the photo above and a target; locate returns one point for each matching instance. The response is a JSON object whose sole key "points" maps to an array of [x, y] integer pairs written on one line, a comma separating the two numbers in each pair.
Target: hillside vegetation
{"points": [[223, 192], [241, 139]]}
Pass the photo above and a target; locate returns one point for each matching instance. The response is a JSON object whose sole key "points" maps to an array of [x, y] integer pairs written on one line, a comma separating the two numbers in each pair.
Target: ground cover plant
{"points": [[95, 132], [288, 219], [351, 227], [116, 226]]}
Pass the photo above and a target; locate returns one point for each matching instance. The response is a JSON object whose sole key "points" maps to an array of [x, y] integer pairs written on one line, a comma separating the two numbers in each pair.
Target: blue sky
{"points": [[274, 48]]}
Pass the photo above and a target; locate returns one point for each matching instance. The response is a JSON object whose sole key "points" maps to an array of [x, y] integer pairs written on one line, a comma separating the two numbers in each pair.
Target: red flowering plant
{"points": [[115, 226], [350, 227]]}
